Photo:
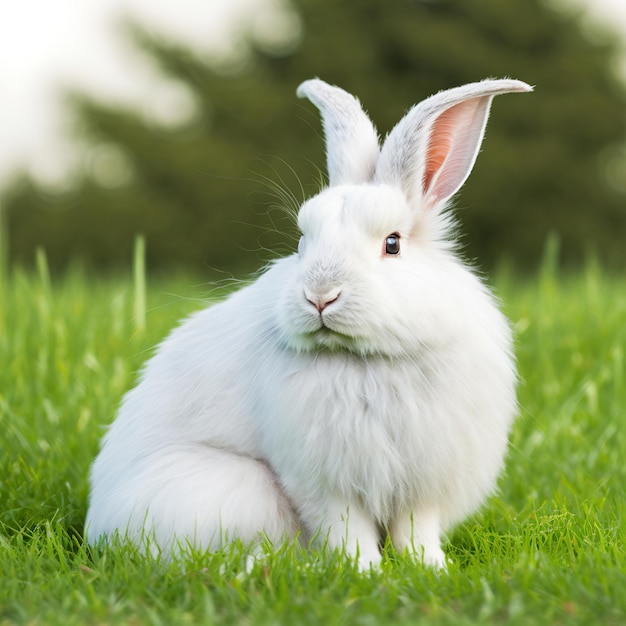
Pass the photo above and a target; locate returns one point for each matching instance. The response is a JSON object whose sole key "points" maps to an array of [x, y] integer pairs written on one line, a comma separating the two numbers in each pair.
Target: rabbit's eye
{"points": [[392, 244]]}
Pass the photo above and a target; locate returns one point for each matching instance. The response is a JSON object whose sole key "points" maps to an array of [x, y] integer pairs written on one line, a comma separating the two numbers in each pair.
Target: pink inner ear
{"points": [[439, 145], [453, 144]]}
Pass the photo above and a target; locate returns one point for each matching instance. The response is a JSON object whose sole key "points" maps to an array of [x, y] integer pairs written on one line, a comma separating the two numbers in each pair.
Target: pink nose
{"points": [[321, 300]]}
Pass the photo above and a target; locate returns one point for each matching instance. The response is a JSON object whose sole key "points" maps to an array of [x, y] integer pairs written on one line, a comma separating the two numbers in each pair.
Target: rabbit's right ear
{"points": [[431, 151], [352, 147]]}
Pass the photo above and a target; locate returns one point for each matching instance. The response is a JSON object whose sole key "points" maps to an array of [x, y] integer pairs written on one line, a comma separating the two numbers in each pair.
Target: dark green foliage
{"points": [[198, 191]]}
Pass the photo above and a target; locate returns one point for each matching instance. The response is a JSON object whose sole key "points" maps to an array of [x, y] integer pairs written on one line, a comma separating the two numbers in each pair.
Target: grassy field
{"points": [[548, 550]]}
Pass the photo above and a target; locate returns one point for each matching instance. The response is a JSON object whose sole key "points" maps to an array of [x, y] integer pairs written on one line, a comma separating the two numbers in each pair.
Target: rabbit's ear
{"points": [[431, 151], [352, 147]]}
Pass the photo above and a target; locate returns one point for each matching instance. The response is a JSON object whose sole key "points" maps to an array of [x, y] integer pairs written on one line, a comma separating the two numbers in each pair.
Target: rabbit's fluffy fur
{"points": [[352, 390]]}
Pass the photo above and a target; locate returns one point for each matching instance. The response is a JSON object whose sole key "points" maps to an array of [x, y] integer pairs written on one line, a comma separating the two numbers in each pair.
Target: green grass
{"points": [[549, 549]]}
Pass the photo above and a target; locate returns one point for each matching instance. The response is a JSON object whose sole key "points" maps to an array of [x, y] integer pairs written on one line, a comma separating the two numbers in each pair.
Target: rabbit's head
{"points": [[374, 273]]}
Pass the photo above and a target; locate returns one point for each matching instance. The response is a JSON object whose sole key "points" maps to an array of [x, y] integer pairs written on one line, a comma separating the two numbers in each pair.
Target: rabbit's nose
{"points": [[321, 300]]}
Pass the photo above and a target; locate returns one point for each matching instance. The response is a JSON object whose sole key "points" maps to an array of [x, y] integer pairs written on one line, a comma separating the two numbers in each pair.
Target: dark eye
{"points": [[392, 244]]}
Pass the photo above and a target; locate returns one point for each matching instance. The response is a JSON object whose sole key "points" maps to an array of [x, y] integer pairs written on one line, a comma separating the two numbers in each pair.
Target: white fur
{"points": [[389, 411]]}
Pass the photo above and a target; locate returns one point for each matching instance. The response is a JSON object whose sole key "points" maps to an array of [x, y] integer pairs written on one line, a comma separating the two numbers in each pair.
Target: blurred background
{"points": [[179, 121]]}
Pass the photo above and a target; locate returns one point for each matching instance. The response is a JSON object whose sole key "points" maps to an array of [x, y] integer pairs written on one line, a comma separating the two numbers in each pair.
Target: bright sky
{"points": [[47, 45]]}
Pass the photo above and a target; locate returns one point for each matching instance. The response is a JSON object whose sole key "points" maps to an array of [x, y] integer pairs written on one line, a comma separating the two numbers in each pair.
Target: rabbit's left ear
{"points": [[431, 151], [352, 147]]}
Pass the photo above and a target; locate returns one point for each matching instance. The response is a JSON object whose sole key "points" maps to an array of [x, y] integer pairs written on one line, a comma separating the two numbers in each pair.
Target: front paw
{"points": [[433, 556], [368, 561], [426, 555], [418, 534]]}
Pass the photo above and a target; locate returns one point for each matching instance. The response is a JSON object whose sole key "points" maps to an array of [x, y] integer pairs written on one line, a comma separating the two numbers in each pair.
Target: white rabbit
{"points": [[360, 387]]}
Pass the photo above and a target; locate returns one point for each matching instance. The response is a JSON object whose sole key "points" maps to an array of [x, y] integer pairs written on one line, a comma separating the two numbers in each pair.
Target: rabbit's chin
{"points": [[325, 339], [330, 341]]}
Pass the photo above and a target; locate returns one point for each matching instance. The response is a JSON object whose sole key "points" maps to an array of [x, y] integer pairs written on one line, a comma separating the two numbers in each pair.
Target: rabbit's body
{"points": [[378, 401]]}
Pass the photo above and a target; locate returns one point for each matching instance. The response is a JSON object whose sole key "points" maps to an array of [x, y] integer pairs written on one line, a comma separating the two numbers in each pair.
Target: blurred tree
{"points": [[198, 194]]}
